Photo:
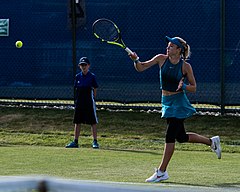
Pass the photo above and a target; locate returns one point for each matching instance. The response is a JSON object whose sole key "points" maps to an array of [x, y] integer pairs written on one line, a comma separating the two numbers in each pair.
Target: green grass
{"points": [[32, 142], [122, 130], [120, 165]]}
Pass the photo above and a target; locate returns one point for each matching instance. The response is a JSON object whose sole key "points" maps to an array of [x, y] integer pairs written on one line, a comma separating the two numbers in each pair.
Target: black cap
{"points": [[84, 60]]}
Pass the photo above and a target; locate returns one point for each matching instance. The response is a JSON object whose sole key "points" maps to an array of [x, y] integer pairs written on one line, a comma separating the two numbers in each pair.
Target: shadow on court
{"points": [[133, 151]]}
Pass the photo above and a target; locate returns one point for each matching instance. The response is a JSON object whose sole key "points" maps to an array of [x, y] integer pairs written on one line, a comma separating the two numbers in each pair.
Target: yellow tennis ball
{"points": [[19, 44]]}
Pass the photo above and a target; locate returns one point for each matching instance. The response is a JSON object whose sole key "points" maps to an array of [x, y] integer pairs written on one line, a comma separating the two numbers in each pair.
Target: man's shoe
{"points": [[157, 176], [95, 144], [216, 147], [72, 145]]}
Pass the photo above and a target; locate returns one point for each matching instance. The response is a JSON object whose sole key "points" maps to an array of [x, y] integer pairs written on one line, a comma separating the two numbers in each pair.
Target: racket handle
{"points": [[129, 51]]}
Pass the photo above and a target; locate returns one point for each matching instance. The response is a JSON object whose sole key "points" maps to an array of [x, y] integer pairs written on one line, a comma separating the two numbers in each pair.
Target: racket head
{"points": [[106, 30]]}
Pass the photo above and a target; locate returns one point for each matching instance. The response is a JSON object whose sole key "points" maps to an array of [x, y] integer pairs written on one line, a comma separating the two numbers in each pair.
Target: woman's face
{"points": [[173, 49]]}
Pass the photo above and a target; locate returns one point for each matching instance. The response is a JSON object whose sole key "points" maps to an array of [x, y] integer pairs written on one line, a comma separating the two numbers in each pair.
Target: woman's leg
{"points": [[196, 138], [171, 134], [167, 155], [161, 173], [213, 142]]}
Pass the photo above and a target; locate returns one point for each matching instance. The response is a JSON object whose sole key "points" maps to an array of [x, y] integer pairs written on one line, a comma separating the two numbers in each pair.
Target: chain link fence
{"points": [[43, 70]]}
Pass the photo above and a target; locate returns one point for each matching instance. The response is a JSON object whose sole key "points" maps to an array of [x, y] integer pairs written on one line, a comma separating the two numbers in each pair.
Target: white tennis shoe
{"points": [[216, 147], [157, 176]]}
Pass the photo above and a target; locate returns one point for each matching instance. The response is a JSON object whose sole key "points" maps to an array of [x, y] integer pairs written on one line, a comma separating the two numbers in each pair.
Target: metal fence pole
{"points": [[74, 55], [222, 55]]}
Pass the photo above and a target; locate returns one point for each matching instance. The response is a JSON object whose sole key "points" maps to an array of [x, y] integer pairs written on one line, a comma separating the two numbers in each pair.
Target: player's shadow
{"points": [[230, 185], [133, 151]]}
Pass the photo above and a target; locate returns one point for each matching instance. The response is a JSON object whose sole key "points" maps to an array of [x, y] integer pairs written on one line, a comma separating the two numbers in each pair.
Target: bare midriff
{"points": [[168, 93]]}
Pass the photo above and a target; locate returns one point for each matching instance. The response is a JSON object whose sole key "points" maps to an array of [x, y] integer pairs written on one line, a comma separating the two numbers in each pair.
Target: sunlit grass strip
{"points": [[104, 103], [121, 165]]}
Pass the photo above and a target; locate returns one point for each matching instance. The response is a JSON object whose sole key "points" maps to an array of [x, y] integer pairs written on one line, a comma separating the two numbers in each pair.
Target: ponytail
{"points": [[186, 52]]}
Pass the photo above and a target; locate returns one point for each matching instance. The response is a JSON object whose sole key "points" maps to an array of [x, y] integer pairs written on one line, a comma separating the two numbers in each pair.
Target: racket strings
{"points": [[106, 31]]}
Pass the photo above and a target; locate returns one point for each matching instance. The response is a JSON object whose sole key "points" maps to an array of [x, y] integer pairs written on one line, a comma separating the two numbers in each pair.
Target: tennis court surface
{"points": [[18, 184]]}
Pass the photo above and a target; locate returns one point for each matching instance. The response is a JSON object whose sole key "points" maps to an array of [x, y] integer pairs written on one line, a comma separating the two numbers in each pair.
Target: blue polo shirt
{"points": [[84, 85], [85, 107], [84, 81]]}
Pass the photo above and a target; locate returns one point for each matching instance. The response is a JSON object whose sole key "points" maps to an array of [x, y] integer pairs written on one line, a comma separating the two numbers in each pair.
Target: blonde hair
{"points": [[186, 54]]}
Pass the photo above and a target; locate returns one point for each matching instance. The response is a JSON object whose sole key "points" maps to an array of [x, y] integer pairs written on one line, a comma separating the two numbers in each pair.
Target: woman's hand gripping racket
{"points": [[108, 32]]}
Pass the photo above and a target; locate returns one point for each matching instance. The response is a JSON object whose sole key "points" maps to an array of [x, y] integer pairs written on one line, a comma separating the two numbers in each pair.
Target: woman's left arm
{"points": [[192, 86], [188, 72]]}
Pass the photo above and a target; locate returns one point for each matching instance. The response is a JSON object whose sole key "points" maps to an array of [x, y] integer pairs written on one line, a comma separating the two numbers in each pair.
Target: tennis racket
{"points": [[107, 31]]}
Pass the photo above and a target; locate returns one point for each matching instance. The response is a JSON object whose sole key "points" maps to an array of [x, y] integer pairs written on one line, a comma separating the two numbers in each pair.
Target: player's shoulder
{"points": [[160, 59], [78, 74], [161, 56], [186, 64], [91, 73]]}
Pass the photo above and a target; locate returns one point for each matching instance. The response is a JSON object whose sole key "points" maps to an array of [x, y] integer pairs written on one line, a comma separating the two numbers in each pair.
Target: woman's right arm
{"points": [[142, 66]]}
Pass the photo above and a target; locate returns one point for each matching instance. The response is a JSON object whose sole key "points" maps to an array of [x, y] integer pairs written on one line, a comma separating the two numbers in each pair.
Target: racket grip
{"points": [[129, 51]]}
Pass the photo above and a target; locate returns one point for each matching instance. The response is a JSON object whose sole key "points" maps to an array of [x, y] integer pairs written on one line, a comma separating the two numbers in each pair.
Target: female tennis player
{"points": [[176, 78]]}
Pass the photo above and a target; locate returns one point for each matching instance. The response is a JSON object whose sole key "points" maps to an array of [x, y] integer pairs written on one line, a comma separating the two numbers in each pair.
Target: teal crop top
{"points": [[170, 75]]}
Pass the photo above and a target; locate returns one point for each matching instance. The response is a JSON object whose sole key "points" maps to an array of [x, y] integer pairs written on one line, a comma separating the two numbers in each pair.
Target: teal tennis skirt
{"points": [[177, 106]]}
